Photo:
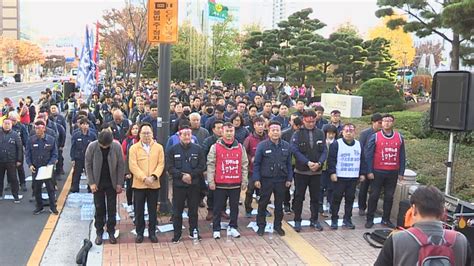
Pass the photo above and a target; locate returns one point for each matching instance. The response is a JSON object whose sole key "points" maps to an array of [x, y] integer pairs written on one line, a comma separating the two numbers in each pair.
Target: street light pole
{"points": [[163, 120]]}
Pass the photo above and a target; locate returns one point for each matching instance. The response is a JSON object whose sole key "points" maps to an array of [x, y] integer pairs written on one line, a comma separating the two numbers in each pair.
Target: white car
{"points": [[9, 80]]}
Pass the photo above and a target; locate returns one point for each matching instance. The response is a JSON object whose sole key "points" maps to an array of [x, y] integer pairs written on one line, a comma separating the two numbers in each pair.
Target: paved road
{"points": [[19, 228]]}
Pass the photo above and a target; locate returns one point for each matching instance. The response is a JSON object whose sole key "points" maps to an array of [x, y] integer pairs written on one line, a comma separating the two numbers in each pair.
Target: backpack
{"points": [[431, 253]]}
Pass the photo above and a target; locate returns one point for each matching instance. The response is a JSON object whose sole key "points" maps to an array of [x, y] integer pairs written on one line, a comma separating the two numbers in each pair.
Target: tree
{"points": [[234, 76], [299, 36], [22, 53], [180, 70], [225, 48], [151, 64], [350, 54], [258, 49], [428, 20], [126, 31], [379, 63], [401, 43], [429, 48]]}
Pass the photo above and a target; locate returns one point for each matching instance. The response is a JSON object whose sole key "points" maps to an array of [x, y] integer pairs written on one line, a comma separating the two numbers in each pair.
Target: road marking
{"points": [[48, 230], [304, 250], [19, 91]]}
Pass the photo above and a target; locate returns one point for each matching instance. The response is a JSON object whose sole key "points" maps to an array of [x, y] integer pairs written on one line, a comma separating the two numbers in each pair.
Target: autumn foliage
{"points": [[401, 43], [21, 52], [421, 79]]}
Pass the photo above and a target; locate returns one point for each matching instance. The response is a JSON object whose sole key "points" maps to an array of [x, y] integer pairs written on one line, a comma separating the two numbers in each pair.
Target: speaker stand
{"points": [[449, 164]]}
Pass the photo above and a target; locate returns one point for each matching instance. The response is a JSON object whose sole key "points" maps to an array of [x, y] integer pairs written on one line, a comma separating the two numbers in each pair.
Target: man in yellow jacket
{"points": [[146, 163]]}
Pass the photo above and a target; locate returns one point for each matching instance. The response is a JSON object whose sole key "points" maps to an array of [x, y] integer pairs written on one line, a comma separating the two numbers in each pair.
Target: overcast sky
{"points": [[66, 18]]}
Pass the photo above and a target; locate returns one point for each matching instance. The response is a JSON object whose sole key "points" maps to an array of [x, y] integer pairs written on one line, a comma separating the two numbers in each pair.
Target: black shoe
{"points": [[176, 239], [112, 239], [261, 231], [54, 211], [279, 231], [348, 224], [287, 208], [139, 239], [334, 225], [191, 236], [369, 224], [38, 211], [388, 224], [317, 226], [153, 239], [98, 240], [297, 227]]}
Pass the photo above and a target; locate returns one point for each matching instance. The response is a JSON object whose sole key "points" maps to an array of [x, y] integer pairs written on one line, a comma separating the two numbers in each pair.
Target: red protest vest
{"points": [[387, 151], [228, 165]]}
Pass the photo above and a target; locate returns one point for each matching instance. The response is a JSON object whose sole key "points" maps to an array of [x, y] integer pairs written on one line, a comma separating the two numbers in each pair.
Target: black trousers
{"points": [[278, 189], [37, 188], [249, 195], [129, 191], [210, 200], [363, 192], [60, 163], [105, 201], [326, 187], [150, 196], [301, 183], [76, 175], [21, 174], [387, 182], [180, 196], [10, 168], [344, 187], [220, 198], [202, 189]]}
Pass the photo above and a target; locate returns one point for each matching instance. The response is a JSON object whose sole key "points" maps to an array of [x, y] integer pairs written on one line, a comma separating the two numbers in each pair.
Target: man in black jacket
{"points": [[186, 163], [11, 156]]}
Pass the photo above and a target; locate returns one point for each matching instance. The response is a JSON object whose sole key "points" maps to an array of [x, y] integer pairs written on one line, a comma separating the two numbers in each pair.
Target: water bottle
{"points": [[270, 229], [195, 236]]}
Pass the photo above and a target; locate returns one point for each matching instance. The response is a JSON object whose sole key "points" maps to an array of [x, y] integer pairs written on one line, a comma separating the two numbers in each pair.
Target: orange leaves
{"points": [[21, 52]]}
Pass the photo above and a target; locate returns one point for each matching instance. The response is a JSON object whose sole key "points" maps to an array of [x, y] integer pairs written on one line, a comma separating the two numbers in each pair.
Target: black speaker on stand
{"points": [[452, 108]]}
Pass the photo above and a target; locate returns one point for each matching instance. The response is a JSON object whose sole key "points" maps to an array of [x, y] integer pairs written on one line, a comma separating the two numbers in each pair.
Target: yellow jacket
{"points": [[142, 164]]}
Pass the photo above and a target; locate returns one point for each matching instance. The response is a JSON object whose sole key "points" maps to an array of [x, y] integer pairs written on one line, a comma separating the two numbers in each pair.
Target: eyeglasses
{"points": [[146, 133]]}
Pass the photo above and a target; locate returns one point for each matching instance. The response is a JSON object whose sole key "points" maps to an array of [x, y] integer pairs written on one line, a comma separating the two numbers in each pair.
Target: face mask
{"points": [[186, 112], [209, 110]]}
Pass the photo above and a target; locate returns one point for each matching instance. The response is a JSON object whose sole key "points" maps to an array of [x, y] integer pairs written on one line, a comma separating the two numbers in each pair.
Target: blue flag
{"points": [[86, 72]]}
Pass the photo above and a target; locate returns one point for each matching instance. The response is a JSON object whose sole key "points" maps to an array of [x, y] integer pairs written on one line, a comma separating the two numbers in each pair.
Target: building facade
{"points": [[9, 28]]}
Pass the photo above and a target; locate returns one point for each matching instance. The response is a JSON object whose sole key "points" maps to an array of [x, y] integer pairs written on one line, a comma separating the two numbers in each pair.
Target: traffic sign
{"points": [[163, 21]]}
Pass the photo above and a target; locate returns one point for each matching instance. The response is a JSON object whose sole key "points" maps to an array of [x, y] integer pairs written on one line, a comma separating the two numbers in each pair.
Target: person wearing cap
{"points": [[11, 157], [385, 157], [309, 148], [79, 142], [185, 163], [346, 166], [364, 136], [146, 164], [42, 150], [105, 172], [60, 121], [272, 174], [227, 175]]}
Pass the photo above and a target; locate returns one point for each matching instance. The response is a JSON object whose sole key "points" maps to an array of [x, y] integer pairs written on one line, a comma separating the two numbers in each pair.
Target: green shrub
{"points": [[425, 131], [234, 76], [380, 95]]}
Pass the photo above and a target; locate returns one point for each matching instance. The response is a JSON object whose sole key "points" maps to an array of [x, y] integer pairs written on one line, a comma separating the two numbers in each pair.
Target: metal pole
{"points": [[164, 75], [449, 164]]}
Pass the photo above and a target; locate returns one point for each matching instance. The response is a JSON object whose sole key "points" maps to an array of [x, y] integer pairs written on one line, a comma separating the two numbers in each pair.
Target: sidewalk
{"points": [[341, 247]]}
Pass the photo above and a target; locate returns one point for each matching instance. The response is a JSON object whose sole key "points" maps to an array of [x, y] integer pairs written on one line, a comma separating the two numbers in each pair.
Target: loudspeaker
{"points": [[452, 100], [68, 88]]}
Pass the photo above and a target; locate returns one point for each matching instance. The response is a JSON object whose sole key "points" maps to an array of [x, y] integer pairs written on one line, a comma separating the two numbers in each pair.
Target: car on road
{"points": [[9, 80], [3, 83]]}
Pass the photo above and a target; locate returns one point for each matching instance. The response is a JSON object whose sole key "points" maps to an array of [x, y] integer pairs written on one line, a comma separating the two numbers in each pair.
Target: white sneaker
{"points": [[129, 208], [234, 233], [216, 235]]}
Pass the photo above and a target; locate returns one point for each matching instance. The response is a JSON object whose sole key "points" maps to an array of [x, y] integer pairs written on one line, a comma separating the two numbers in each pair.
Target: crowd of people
{"points": [[222, 140]]}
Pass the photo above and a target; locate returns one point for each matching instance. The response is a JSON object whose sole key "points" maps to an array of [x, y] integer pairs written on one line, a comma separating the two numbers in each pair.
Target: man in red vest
{"points": [[227, 174], [385, 157]]}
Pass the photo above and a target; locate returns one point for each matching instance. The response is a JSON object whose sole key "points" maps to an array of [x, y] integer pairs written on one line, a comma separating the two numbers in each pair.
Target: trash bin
{"points": [[17, 77]]}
